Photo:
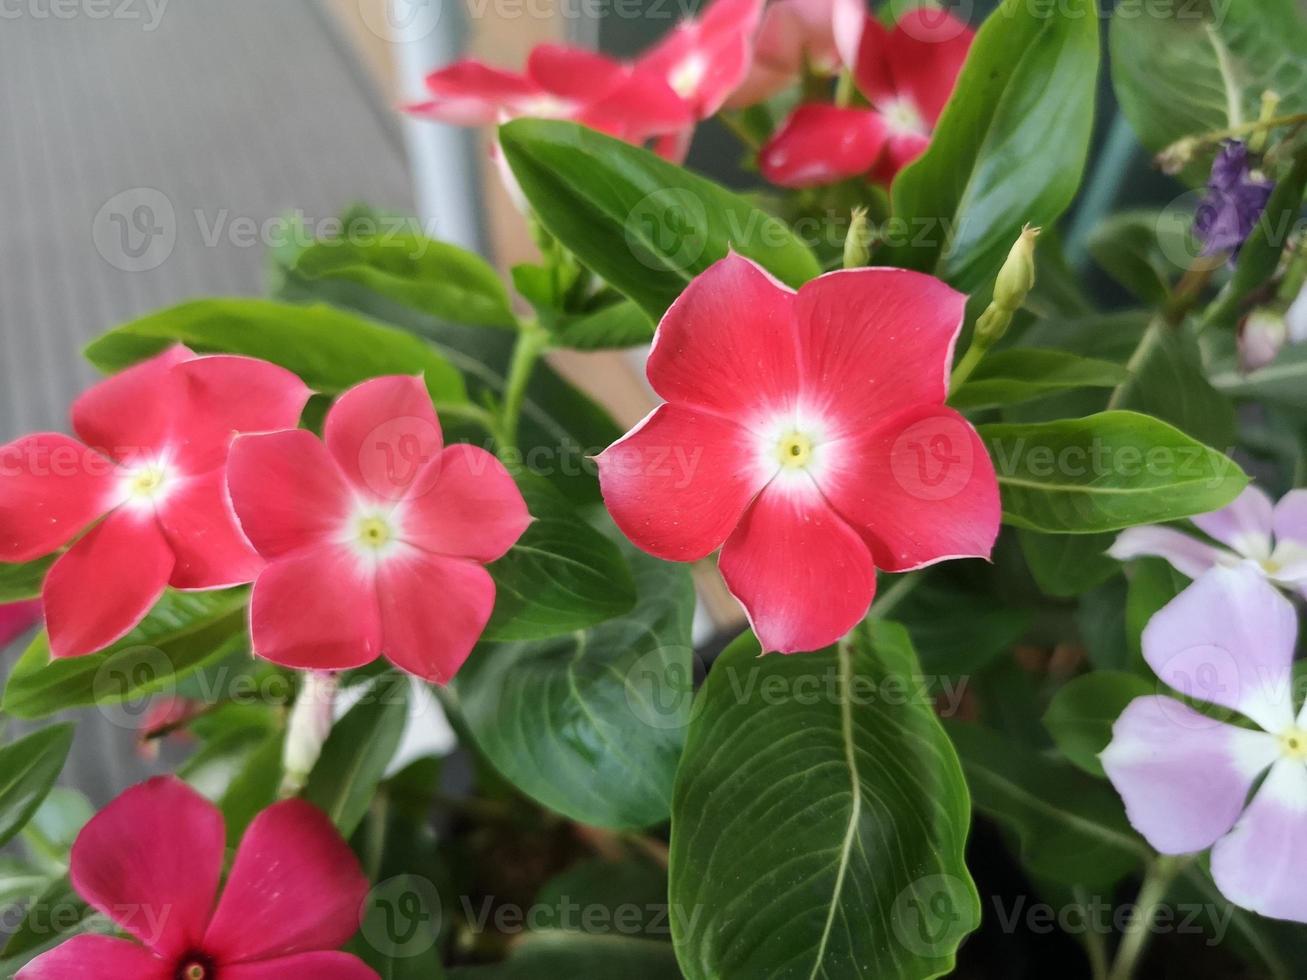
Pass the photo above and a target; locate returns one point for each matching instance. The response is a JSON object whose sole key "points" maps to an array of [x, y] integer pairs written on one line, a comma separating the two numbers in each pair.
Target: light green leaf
{"points": [[591, 724], [1015, 375], [1081, 715], [23, 580], [619, 325], [28, 768], [1106, 472], [645, 225], [819, 821]]}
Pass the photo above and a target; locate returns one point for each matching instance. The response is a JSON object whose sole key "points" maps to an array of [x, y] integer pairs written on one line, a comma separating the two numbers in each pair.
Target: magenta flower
{"points": [[16, 618], [1227, 640], [805, 434], [705, 58], [148, 481], [151, 862], [907, 75], [375, 536], [1273, 537]]}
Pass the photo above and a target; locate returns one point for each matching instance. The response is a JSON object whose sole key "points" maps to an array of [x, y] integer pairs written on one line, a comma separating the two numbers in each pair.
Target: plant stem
{"points": [[896, 593], [468, 412], [1161, 872], [531, 343], [974, 355]]}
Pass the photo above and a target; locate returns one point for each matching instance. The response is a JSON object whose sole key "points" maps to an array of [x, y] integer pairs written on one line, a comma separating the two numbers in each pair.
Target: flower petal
{"points": [[90, 957], [1184, 777], [1262, 863], [641, 106], [317, 610], [295, 877], [222, 395], [679, 482], [1228, 639], [383, 433], [433, 611], [925, 53], [200, 525], [470, 93], [287, 491], [573, 73], [51, 487], [16, 618], [1187, 554], [131, 412], [319, 966], [467, 507], [875, 342], [1289, 519], [920, 488], [151, 861], [104, 585], [1244, 526], [803, 575], [726, 345], [705, 59], [820, 144], [900, 150]]}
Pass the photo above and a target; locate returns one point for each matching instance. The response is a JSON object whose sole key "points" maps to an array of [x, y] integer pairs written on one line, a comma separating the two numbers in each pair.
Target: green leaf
{"points": [[330, 349], [597, 896], [592, 724], [1106, 472], [957, 631], [1067, 565], [562, 575], [645, 225], [1082, 713], [618, 325], [28, 768], [357, 752], [1153, 583], [1282, 382], [1072, 829], [1020, 374], [254, 787], [1168, 381], [1182, 68], [1011, 145], [56, 823], [820, 818], [550, 954], [436, 277], [57, 915], [184, 631], [1145, 251], [22, 581]]}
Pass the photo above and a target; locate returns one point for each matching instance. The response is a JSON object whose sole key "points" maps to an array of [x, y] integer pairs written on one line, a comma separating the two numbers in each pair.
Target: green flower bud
{"points": [[857, 243], [1017, 277]]}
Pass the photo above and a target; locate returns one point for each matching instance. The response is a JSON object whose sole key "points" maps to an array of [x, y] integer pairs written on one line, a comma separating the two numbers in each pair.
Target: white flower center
{"points": [[686, 77], [148, 484], [903, 117]]}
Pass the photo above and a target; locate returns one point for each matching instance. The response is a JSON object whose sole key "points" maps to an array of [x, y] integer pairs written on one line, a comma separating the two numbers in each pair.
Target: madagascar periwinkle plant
{"points": [[1004, 485]]}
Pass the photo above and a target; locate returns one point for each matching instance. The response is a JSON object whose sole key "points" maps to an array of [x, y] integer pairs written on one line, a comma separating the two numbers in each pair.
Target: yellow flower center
{"points": [[684, 79], [794, 450], [1293, 743], [373, 532], [147, 481], [195, 971]]}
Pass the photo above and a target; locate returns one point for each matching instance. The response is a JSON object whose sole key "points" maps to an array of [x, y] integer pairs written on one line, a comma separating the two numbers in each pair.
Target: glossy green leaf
{"points": [[1066, 565], [592, 723], [551, 954], [358, 750], [598, 896], [330, 349], [562, 575], [619, 325], [1011, 145], [1145, 251], [1015, 375], [1081, 714], [57, 915], [436, 277], [1106, 472], [957, 631], [254, 786], [182, 632], [23, 580], [1072, 829], [820, 818], [645, 225], [28, 768], [1153, 583]]}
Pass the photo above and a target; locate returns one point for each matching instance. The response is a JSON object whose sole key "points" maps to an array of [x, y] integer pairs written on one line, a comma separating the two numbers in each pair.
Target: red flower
{"points": [[805, 434], [704, 59], [151, 861], [16, 618], [376, 540], [156, 439], [795, 34], [907, 75]]}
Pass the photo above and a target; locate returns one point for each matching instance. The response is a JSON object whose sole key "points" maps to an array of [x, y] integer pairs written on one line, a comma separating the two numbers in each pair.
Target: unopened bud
{"points": [[857, 243], [1262, 336], [1017, 277], [308, 728], [1178, 155]]}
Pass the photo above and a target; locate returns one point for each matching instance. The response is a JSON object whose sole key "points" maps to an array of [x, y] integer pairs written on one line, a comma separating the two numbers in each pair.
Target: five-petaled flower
{"points": [[375, 536], [1273, 537], [1185, 777], [907, 74], [805, 434], [151, 862], [149, 476]]}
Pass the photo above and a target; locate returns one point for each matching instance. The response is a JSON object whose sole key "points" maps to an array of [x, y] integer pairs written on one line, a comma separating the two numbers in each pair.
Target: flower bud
{"points": [[1017, 277], [1178, 155], [1262, 336], [857, 243], [308, 728]]}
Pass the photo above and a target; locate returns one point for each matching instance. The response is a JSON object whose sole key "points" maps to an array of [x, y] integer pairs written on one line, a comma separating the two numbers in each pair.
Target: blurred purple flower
{"points": [[1234, 201]]}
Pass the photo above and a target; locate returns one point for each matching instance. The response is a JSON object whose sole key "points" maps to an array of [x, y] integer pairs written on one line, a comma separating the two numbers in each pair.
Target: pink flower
{"points": [[16, 618], [148, 475], [704, 59], [559, 83], [151, 861], [1273, 537], [795, 34], [166, 716], [1228, 640], [907, 75], [805, 434], [375, 540]]}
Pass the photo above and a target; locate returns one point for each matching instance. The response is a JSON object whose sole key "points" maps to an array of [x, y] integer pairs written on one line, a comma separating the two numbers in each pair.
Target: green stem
{"points": [[896, 593], [970, 360], [844, 89], [1161, 872], [531, 343], [467, 412]]}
